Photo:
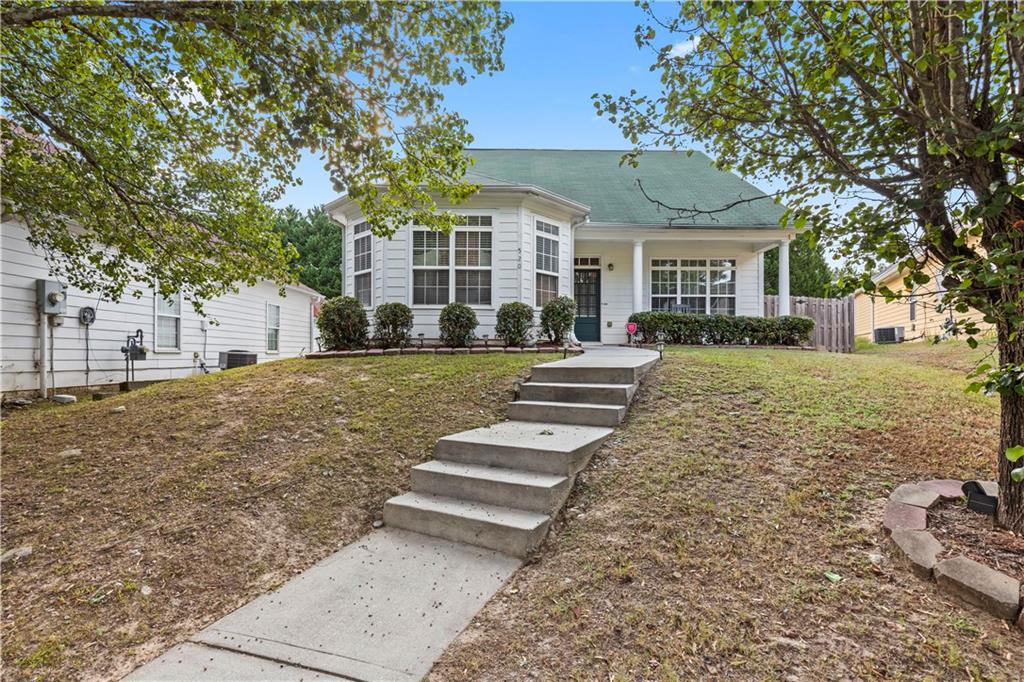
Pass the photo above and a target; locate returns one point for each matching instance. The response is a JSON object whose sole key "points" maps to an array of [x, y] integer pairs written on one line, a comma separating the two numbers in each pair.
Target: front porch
{"points": [[619, 272]]}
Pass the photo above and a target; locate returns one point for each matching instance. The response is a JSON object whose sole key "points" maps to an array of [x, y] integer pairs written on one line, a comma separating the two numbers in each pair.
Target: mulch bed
{"points": [[962, 531]]}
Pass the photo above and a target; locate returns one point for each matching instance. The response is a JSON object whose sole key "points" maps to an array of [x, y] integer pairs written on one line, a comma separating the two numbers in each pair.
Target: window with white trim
{"points": [[546, 278], [273, 327], [455, 267], [362, 257], [168, 322], [694, 285]]}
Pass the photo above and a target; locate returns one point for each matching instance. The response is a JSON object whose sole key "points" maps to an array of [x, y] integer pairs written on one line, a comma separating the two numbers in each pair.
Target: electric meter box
{"points": [[51, 297]]}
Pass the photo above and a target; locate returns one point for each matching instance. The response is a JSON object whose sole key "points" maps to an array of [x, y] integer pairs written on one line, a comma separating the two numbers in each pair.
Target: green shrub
{"points": [[557, 317], [392, 324], [514, 323], [691, 329], [342, 323], [457, 322]]}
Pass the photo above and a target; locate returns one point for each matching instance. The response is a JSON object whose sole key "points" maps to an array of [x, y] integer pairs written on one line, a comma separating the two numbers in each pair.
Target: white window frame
{"points": [[452, 268], [357, 234], [157, 348], [268, 327], [556, 238], [681, 265]]}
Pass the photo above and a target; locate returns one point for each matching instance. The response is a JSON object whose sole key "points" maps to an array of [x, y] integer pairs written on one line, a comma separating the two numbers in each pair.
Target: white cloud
{"points": [[684, 48]]}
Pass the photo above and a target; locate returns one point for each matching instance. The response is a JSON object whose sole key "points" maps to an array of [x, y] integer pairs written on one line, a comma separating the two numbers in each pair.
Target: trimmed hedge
{"points": [[392, 324], [514, 323], [557, 318], [342, 323], [686, 328], [458, 324]]}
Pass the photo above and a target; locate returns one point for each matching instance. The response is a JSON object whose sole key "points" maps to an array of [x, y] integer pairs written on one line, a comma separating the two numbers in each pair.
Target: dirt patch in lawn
{"points": [[150, 523], [962, 531], [731, 530]]}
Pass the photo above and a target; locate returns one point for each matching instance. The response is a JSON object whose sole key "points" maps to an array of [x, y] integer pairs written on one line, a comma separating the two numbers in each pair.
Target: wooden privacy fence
{"points": [[833, 319]]}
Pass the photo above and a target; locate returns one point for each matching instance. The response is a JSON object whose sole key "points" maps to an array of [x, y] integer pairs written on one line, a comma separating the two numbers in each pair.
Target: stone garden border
{"points": [[433, 350], [906, 521]]}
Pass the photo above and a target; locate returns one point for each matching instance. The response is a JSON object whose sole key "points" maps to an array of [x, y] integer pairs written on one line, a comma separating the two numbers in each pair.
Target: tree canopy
{"points": [[145, 141], [809, 272], [319, 242], [912, 111]]}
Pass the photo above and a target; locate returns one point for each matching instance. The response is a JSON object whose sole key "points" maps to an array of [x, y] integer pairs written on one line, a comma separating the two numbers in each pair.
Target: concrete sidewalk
{"points": [[382, 608]]}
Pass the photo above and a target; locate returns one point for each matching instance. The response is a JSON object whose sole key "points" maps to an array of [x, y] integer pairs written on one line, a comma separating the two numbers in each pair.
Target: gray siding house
{"points": [[575, 223]]}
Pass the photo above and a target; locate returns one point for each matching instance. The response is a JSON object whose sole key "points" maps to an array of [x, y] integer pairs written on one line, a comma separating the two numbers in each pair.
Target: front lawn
{"points": [[731, 529], [206, 492]]}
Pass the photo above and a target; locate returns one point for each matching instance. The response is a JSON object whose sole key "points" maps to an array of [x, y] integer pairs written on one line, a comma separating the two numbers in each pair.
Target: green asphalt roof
{"points": [[595, 178]]}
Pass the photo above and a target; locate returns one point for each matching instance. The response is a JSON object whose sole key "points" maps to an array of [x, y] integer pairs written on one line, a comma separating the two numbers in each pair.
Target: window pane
{"points": [[693, 263], [430, 287], [168, 306], [547, 228], [547, 288], [473, 287], [663, 263], [547, 254], [272, 338], [693, 283], [274, 316], [723, 282], [691, 304], [429, 248], [167, 329], [363, 254], [723, 305], [362, 288], [473, 249], [662, 302], [663, 283], [361, 227]]}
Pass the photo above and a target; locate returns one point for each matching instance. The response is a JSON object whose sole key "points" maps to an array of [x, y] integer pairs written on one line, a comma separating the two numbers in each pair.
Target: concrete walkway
{"points": [[386, 606]]}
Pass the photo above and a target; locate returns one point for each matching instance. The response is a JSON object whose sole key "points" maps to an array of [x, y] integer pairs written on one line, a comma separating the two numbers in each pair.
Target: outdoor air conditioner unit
{"points": [[235, 358], [889, 335]]}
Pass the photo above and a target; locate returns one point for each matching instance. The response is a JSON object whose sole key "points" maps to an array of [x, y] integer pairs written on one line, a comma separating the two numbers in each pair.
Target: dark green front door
{"points": [[587, 293]]}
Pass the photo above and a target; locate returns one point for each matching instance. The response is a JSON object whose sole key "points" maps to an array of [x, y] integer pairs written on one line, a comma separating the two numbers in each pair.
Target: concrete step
{"points": [[596, 373], [504, 529], [602, 394], [492, 485], [588, 414], [549, 448]]}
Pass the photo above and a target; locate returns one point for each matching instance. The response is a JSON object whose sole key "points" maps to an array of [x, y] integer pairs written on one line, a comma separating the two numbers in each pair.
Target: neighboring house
{"points": [[256, 319], [916, 311], [575, 223]]}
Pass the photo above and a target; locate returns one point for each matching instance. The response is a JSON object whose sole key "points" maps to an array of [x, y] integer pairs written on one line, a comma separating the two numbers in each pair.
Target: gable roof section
{"points": [[595, 178]]}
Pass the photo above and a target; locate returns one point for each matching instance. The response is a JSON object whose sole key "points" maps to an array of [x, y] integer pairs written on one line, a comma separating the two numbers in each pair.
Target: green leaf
{"points": [[833, 577], [1017, 475], [1015, 453]]}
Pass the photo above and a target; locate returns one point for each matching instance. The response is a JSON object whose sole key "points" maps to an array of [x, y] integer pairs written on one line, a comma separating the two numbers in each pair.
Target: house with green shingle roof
{"points": [[672, 233]]}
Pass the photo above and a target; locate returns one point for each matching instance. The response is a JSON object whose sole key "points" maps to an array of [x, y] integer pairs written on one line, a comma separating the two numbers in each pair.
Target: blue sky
{"points": [[556, 56]]}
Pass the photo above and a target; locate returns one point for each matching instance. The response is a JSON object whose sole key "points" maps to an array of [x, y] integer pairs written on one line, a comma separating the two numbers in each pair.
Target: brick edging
{"points": [[906, 521], [433, 350]]}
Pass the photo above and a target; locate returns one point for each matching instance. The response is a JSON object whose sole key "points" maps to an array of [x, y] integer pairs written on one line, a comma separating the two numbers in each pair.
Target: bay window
{"points": [[462, 259], [546, 278], [694, 285]]}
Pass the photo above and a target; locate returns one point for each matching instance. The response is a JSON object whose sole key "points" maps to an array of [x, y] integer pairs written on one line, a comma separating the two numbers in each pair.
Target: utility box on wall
{"points": [[51, 297]]}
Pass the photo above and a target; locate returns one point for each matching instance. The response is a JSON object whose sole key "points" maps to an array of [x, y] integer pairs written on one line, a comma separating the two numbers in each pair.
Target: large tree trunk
{"points": [[1011, 432]]}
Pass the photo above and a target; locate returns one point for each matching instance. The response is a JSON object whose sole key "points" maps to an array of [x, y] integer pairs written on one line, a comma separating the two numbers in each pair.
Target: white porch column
{"points": [[638, 276], [783, 278]]}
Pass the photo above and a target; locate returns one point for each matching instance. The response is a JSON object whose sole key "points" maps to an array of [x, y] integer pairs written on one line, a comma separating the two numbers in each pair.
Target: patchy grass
{"points": [[206, 492], [731, 529], [952, 354]]}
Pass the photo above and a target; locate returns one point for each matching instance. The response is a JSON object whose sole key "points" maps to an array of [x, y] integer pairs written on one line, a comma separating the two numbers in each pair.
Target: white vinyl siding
{"points": [[547, 257], [234, 321], [168, 322]]}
